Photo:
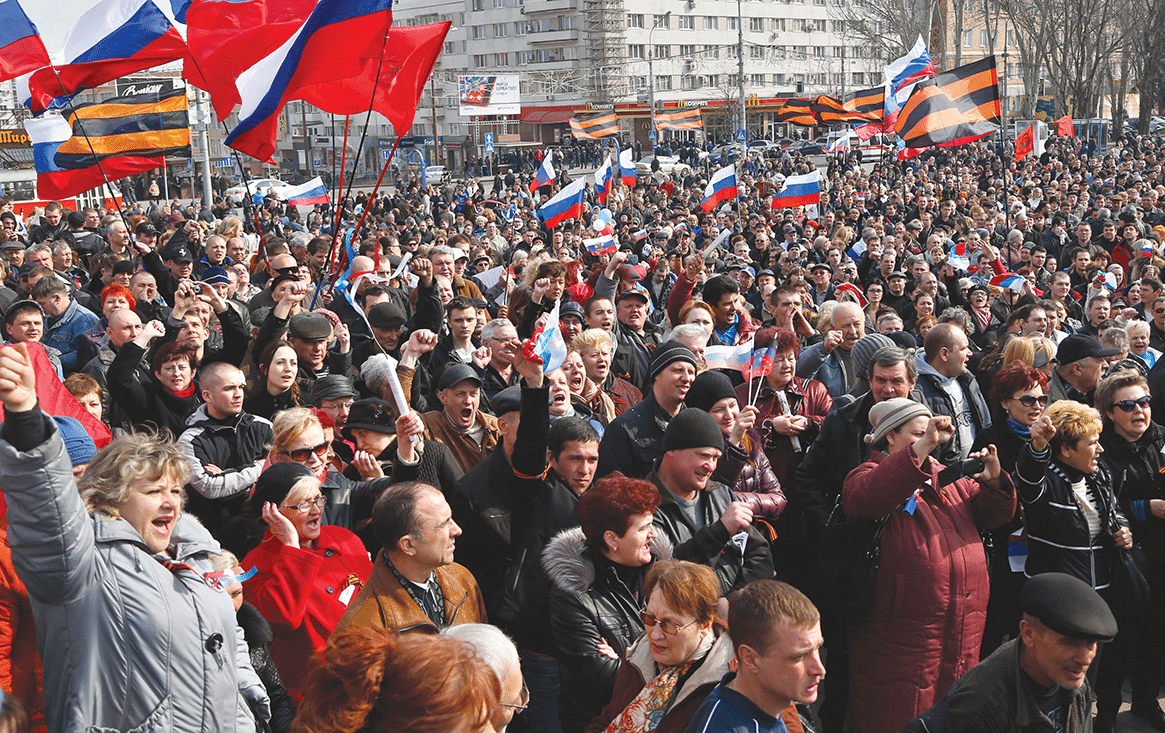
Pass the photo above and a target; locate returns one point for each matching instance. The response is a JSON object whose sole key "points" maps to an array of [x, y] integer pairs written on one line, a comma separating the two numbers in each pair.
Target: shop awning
{"points": [[547, 116]]}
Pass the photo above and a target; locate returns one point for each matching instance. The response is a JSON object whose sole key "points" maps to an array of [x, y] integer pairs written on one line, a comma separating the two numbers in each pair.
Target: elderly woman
{"points": [[1072, 517], [743, 466], [597, 573], [413, 682], [932, 585], [116, 571], [308, 572], [672, 667], [585, 394], [596, 347]]}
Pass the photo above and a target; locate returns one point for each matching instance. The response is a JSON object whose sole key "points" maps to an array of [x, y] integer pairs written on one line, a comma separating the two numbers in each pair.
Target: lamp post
{"points": [[651, 74], [740, 73]]}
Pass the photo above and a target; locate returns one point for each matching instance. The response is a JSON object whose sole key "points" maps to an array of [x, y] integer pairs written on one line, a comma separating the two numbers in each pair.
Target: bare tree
{"points": [[890, 27]]}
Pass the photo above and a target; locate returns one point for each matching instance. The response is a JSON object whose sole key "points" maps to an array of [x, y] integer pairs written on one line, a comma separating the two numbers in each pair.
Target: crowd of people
{"points": [[315, 471]]}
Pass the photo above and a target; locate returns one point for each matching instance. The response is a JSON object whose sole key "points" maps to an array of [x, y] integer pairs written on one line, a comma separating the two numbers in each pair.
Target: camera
{"points": [[972, 466]]}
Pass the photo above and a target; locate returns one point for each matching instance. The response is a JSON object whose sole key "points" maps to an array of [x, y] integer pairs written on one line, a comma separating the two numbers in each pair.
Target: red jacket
{"points": [[303, 593], [930, 599]]}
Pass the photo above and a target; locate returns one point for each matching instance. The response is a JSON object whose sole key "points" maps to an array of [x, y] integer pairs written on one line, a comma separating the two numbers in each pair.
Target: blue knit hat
{"points": [[80, 446]]}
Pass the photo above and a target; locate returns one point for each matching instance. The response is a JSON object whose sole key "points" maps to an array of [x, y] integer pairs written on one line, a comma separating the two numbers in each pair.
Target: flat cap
{"points": [[332, 387], [1068, 606], [572, 309], [454, 374], [386, 315], [309, 327], [506, 401]]}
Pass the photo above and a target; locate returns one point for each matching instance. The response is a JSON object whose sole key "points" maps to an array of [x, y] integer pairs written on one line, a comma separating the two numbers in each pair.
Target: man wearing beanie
{"points": [[634, 441], [702, 518]]}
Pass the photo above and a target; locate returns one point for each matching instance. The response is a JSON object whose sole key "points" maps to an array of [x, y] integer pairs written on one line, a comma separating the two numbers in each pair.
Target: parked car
{"points": [[436, 174], [667, 165], [264, 186], [806, 147]]}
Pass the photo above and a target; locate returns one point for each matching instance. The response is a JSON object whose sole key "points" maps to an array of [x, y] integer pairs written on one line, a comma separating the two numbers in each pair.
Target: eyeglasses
{"points": [[1030, 400], [524, 698], [304, 507], [667, 627], [299, 455], [1128, 405]]}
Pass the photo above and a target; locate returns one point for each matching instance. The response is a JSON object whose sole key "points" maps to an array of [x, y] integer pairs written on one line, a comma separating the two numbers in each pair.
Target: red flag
{"points": [[1025, 144], [55, 400], [1064, 127]]}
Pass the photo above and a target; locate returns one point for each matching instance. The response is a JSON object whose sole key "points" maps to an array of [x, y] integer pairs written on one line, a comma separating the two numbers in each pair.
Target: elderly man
{"points": [[830, 362], [469, 433], [309, 334], [414, 581], [1080, 367], [443, 258]]}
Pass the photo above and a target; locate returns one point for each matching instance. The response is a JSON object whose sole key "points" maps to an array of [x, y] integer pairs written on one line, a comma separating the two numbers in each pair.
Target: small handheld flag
{"points": [[1010, 281], [802, 190], [722, 187], [600, 245], [627, 172]]}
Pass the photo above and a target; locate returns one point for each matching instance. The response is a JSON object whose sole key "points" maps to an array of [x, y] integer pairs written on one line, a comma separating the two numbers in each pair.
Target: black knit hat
{"points": [[668, 353], [707, 389], [275, 483], [692, 428]]}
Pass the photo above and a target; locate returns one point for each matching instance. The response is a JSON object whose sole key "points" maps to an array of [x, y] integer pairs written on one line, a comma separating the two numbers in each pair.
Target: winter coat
{"points": [[147, 404], [930, 384], [127, 644], [384, 603], [238, 447], [824, 366], [930, 598], [634, 441], [264, 404], [258, 635], [98, 367], [1136, 469], [736, 565], [62, 333], [589, 604], [639, 667], [748, 473], [20, 672], [334, 363], [303, 592], [1058, 539]]}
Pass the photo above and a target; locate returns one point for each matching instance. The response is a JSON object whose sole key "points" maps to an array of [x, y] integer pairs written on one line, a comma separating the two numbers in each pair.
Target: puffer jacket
{"points": [[1136, 470], [238, 448], [737, 563], [750, 475], [127, 644], [589, 604], [1057, 532]]}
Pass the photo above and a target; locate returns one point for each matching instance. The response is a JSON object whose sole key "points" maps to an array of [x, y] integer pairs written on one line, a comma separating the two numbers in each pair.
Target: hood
{"points": [[189, 538], [568, 564]]}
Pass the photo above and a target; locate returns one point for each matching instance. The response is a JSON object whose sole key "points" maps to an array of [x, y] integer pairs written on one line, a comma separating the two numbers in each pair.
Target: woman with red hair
{"points": [[113, 297], [597, 572]]}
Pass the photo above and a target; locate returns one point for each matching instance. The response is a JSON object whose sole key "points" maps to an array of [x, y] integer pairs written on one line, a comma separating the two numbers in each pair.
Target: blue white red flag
{"points": [[88, 43], [722, 187], [856, 251], [854, 291], [840, 145], [307, 194], [21, 48], [545, 173], [603, 177], [569, 203], [738, 358], [802, 190], [1010, 281], [627, 172], [761, 363], [549, 344], [916, 65], [640, 235], [958, 257], [603, 245]]}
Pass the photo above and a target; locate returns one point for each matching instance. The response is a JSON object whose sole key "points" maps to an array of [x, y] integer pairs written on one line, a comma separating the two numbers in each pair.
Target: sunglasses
{"points": [[1128, 405], [667, 627], [299, 455], [1031, 400]]}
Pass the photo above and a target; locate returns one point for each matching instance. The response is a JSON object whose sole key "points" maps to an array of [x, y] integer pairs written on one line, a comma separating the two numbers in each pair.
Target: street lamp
{"points": [[651, 73]]}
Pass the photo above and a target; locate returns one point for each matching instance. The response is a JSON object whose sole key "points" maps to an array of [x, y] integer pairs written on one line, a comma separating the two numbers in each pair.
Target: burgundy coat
{"points": [[930, 602]]}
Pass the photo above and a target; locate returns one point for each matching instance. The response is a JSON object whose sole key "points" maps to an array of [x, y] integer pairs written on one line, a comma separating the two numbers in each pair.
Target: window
{"points": [[478, 4], [799, 52], [734, 80], [859, 78], [712, 80], [500, 59], [480, 61], [983, 37], [499, 3], [688, 50], [711, 52], [634, 20], [662, 51], [449, 47], [478, 32], [818, 80], [776, 52], [637, 82], [635, 51], [837, 79], [778, 80], [778, 25], [447, 17], [967, 37], [756, 25], [817, 25], [711, 23], [661, 21], [499, 30], [839, 26], [756, 80], [687, 23], [566, 23], [731, 22], [519, 3], [819, 52], [521, 28], [756, 53], [796, 24], [689, 82], [524, 58], [733, 51], [464, 46], [839, 52], [1010, 38], [662, 83]]}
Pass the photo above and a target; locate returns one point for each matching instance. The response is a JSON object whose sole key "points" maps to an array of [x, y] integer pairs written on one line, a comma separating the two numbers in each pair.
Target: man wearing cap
{"points": [[634, 441], [309, 334], [1037, 681], [170, 266], [895, 296], [702, 518], [1079, 369], [634, 333], [571, 321], [371, 426], [821, 274], [387, 321], [225, 449], [469, 433]]}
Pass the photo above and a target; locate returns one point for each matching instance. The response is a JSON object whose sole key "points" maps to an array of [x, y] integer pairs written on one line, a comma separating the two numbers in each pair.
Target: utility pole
{"points": [[311, 169], [740, 72], [436, 133], [843, 73], [204, 142]]}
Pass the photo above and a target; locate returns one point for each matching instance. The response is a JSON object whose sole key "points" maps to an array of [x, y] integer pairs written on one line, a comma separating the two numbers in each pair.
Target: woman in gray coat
{"points": [[133, 634]]}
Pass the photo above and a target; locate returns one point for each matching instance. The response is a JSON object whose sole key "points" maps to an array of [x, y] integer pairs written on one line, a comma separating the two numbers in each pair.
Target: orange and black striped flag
{"points": [[140, 125], [688, 118], [797, 111], [594, 127], [828, 110], [952, 108], [867, 101]]}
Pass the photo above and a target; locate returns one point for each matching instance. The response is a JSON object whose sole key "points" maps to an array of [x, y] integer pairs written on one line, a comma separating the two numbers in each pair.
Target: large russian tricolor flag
{"points": [[569, 203], [603, 177], [627, 168], [21, 47], [307, 194], [914, 66], [545, 173], [799, 191], [90, 42], [722, 187]]}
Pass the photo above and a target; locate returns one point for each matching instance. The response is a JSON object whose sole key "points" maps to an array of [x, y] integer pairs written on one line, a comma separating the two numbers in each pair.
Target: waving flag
{"points": [[958, 257], [640, 235], [603, 177], [855, 252], [545, 173], [93, 42], [737, 358], [1025, 142], [547, 344], [828, 110], [387, 66], [912, 67], [953, 108], [21, 48], [854, 291], [799, 191], [307, 194], [1010, 281], [128, 135], [687, 118], [627, 172], [1064, 126], [594, 127], [569, 203], [1106, 280], [603, 245], [55, 400], [761, 361], [797, 111], [840, 145], [722, 187], [867, 101]]}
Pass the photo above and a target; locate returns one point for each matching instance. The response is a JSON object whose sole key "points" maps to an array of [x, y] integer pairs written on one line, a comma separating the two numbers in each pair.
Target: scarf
{"points": [[646, 711], [983, 316], [1018, 429], [184, 394]]}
